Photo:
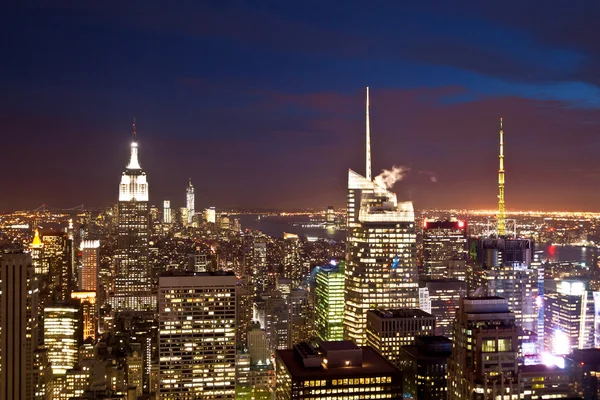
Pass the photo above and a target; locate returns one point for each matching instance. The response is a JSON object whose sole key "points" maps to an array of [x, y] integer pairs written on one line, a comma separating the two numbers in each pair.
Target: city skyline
{"points": [[207, 109]]}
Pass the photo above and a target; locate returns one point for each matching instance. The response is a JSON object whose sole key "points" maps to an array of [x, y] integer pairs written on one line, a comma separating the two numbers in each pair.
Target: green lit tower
{"points": [[329, 304]]}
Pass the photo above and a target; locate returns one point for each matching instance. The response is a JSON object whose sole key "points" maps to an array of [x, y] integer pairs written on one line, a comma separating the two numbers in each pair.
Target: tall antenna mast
{"points": [[501, 208], [134, 132], [368, 169]]}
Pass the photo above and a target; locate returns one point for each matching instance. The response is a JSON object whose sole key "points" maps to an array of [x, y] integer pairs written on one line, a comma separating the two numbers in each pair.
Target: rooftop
{"points": [[401, 313], [373, 364]]}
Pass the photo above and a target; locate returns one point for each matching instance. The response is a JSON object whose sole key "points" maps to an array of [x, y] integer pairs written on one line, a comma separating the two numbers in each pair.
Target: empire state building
{"points": [[133, 288]]}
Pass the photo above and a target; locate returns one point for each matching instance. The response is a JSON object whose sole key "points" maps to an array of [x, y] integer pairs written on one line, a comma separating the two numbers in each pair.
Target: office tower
{"points": [[133, 286], [37, 254], [381, 270], [62, 336], [190, 202], [42, 375], [135, 368], [501, 207], [167, 212], [443, 242], [57, 259], [301, 319], [389, 330], [89, 313], [503, 269], [183, 212], [542, 381], [71, 385], [199, 263], [258, 346], [197, 336], [335, 370], [90, 262], [277, 321], [329, 302], [224, 222], [569, 316], [260, 273], [424, 367], [245, 296], [210, 215], [292, 261], [329, 217], [440, 297], [18, 326], [484, 361]]}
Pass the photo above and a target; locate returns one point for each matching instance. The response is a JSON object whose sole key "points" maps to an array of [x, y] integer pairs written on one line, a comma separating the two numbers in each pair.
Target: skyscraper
{"points": [[133, 290], [381, 270], [443, 241], [57, 259], [329, 302], [504, 269], [167, 212], [441, 297], [569, 316], [90, 261], [484, 361], [197, 336], [18, 326], [62, 336], [190, 201], [37, 254]]}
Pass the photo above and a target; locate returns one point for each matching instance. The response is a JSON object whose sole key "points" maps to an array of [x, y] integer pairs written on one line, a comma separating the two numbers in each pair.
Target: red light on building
{"points": [[424, 223]]}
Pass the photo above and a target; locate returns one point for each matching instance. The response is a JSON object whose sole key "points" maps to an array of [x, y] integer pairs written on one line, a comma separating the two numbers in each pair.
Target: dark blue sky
{"points": [[261, 103]]}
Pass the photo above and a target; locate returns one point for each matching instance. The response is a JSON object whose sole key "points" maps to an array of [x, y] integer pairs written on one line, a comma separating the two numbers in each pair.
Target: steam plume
{"points": [[388, 178]]}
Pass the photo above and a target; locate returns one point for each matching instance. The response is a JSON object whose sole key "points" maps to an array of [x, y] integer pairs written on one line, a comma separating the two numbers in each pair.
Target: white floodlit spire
{"points": [[368, 123]]}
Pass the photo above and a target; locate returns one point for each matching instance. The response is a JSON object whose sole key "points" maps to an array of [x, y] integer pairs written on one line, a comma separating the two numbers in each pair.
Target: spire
{"points": [[133, 160], [37, 242], [501, 207], [190, 184], [368, 125]]}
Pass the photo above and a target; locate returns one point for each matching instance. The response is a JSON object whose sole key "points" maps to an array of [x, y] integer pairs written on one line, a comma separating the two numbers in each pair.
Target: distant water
{"points": [[276, 226], [573, 254]]}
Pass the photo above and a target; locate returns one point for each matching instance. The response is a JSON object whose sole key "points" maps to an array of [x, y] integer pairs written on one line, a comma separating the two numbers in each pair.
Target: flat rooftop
{"points": [[373, 364], [338, 345], [401, 313]]}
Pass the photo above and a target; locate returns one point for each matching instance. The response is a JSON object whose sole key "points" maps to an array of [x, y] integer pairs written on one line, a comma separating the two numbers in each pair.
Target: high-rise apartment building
{"points": [[190, 202], [381, 270], [504, 269], [90, 262], [18, 326], [62, 336], [569, 316], [133, 285], [197, 349], [484, 361], [389, 330], [336, 370], [443, 242], [167, 217], [441, 297], [329, 302]]}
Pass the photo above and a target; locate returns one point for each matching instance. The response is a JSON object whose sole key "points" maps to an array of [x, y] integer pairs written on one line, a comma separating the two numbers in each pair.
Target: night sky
{"points": [[262, 103]]}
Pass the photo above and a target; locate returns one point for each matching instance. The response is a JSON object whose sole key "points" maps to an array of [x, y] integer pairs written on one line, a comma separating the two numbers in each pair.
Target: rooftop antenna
{"points": [[134, 132], [368, 166], [501, 208]]}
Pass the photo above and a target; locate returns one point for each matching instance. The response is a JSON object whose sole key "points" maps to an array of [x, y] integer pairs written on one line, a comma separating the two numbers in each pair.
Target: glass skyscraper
{"points": [[381, 270], [329, 303]]}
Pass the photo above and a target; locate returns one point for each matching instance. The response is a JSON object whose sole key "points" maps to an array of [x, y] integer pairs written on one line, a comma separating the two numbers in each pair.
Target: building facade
{"points": [[197, 340], [443, 242], [329, 302], [133, 284], [381, 270]]}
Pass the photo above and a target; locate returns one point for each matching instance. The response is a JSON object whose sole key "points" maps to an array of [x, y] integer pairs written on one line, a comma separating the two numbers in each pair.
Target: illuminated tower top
{"points": [[134, 186], [36, 243], [190, 201], [368, 129], [501, 207]]}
